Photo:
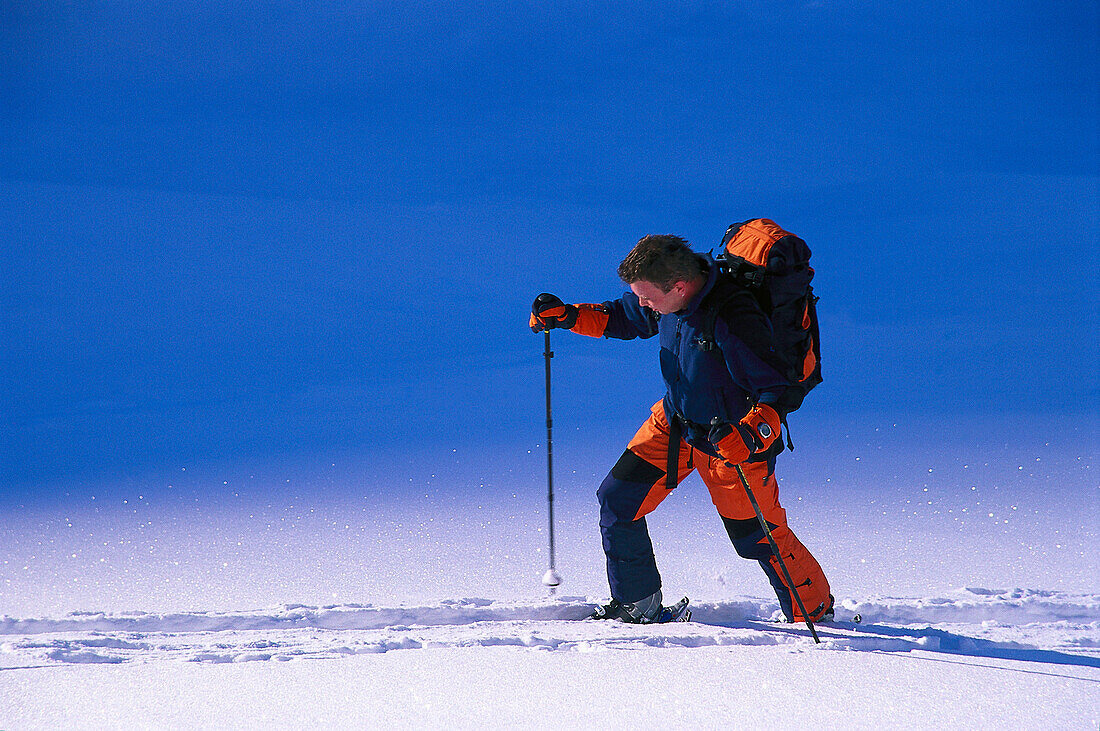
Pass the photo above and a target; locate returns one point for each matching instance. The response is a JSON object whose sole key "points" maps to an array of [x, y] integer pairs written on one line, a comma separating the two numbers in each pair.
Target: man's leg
{"points": [[749, 540], [635, 486]]}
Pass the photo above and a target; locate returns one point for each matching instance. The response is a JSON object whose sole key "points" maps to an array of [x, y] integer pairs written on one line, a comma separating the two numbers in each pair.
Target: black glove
{"points": [[549, 312]]}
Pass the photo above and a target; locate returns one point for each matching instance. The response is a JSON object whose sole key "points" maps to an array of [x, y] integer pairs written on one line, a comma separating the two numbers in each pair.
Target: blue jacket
{"points": [[702, 384]]}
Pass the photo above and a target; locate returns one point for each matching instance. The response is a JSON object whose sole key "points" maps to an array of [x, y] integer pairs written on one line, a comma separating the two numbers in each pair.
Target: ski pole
{"points": [[776, 553], [551, 578]]}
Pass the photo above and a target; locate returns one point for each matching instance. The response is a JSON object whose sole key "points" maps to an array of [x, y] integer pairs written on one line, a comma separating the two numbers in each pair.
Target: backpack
{"points": [[774, 265]]}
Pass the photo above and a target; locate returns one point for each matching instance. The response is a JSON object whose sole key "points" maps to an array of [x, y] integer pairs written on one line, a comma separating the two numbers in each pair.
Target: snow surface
{"points": [[314, 595]]}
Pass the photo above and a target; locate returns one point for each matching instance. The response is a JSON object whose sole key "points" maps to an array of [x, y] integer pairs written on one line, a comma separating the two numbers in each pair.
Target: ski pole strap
{"points": [[672, 465]]}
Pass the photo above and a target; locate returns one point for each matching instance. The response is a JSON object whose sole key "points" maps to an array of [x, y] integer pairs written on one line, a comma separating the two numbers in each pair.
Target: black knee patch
{"points": [[632, 468], [741, 529], [748, 538]]}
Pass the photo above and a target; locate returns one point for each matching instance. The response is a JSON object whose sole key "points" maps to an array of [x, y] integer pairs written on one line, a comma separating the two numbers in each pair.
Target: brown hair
{"points": [[662, 259]]}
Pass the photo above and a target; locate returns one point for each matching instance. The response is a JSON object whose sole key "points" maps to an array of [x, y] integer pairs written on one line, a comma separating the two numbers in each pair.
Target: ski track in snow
{"points": [[1033, 626]]}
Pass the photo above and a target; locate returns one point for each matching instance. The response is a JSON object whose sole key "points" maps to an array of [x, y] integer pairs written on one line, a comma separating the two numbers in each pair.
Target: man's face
{"points": [[664, 303]]}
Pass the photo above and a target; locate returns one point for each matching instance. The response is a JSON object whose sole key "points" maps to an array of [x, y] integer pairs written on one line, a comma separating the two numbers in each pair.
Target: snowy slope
{"points": [[978, 658], [1028, 626], [254, 600]]}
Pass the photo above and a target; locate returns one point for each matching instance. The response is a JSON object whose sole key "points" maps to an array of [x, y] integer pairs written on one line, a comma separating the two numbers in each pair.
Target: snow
{"points": [[317, 595], [469, 663]]}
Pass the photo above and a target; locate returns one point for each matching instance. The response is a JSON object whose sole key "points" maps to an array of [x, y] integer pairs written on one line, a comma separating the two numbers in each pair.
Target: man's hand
{"points": [[761, 425], [549, 312], [755, 433], [729, 442]]}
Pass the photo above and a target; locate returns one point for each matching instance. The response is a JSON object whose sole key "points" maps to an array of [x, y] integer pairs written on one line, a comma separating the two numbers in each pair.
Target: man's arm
{"points": [[744, 336], [623, 318]]}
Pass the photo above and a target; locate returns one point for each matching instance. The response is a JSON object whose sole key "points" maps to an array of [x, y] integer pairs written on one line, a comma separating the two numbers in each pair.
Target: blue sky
{"points": [[237, 234]]}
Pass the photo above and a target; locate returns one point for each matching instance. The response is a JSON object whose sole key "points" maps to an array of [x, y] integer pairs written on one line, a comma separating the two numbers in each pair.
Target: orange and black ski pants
{"points": [[636, 486]]}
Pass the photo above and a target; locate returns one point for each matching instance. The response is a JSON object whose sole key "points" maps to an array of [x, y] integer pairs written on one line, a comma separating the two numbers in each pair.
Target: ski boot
{"points": [[643, 611], [825, 612]]}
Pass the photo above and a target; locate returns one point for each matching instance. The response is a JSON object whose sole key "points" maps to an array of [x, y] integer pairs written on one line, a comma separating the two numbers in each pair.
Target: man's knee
{"points": [[748, 538], [623, 490], [632, 468]]}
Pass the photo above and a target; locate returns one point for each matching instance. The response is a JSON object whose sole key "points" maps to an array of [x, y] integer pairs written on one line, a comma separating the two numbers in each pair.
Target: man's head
{"points": [[664, 272]]}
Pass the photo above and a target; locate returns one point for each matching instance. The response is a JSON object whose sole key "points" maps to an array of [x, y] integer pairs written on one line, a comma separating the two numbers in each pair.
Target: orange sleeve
{"points": [[591, 320]]}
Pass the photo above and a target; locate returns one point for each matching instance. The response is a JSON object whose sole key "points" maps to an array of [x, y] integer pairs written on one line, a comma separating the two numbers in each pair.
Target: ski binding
{"points": [[678, 612]]}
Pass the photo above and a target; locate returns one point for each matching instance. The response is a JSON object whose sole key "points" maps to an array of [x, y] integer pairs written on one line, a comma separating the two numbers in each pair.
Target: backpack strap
{"points": [[710, 308], [787, 431]]}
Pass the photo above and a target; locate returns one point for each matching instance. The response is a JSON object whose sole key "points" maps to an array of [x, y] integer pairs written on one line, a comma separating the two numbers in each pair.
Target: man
{"points": [[719, 411]]}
